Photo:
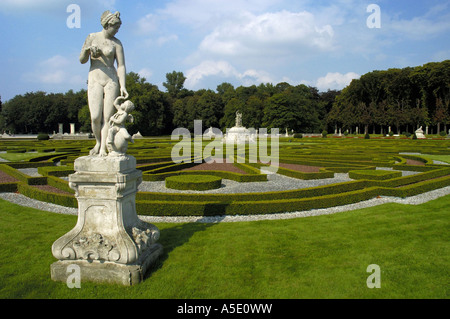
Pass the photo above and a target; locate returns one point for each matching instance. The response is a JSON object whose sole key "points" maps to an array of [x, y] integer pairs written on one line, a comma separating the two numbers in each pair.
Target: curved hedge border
{"points": [[378, 175], [345, 156], [193, 182]]}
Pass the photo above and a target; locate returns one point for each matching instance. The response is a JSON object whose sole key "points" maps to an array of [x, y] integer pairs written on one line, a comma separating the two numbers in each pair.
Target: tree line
{"points": [[401, 98]]}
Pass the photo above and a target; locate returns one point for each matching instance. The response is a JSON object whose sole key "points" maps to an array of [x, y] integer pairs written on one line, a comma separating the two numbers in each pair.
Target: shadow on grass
{"points": [[177, 236]]}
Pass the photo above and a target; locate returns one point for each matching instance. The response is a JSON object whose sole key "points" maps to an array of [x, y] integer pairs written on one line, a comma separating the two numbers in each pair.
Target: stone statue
{"points": [[118, 136], [419, 133], [238, 119], [105, 83], [109, 243]]}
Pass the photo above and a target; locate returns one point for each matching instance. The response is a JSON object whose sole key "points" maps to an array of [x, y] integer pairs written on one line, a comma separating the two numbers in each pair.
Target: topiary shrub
{"points": [[298, 135], [367, 136], [193, 182], [324, 134]]}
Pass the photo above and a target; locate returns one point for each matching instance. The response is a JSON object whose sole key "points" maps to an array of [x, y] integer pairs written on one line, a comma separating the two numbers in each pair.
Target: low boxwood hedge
{"points": [[8, 187], [16, 150], [150, 177], [211, 208], [193, 182], [23, 177], [45, 196], [374, 174]]}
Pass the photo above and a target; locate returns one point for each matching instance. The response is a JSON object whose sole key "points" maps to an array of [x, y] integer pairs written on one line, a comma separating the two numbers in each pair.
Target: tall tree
{"points": [[174, 83]]}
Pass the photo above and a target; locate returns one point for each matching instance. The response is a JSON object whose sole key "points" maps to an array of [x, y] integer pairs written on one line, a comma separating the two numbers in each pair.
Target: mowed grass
{"points": [[441, 158], [17, 157], [314, 257]]}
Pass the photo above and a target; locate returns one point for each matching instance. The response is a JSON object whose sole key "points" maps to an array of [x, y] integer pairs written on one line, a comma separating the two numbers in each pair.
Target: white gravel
{"points": [[414, 200], [33, 172], [275, 182]]}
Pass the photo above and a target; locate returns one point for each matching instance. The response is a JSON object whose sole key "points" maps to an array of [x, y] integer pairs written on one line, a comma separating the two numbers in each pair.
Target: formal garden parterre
{"points": [[375, 167]]}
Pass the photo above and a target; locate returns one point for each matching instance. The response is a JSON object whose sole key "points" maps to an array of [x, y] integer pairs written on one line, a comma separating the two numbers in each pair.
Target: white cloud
{"points": [[335, 81], [27, 3], [198, 13], [225, 70], [148, 24], [145, 73], [164, 39], [268, 34], [209, 68], [419, 27], [56, 70]]}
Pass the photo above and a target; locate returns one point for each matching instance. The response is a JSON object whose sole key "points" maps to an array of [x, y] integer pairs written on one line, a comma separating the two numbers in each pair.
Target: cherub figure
{"points": [[118, 136]]}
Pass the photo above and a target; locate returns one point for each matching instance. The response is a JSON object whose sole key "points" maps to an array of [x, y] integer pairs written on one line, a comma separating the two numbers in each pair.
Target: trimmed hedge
{"points": [[277, 195], [8, 187], [60, 184], [193, 182], [56, 170], [374, 174], [16, 150], [323, 173], [23, 177], [211, 208], [49, 197], [224, 174], [335, 156]]}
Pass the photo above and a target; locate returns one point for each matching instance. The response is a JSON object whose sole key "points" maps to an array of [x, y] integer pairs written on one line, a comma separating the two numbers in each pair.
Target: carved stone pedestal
{"points": [[109, 242]]}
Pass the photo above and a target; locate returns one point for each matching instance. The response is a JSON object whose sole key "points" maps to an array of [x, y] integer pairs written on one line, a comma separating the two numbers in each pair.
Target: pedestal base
{"points": [[109, 242], [107, 272]]}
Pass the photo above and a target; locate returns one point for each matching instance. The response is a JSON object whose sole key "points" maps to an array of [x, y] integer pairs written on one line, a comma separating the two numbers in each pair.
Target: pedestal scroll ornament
{"points": [[109, 242]]}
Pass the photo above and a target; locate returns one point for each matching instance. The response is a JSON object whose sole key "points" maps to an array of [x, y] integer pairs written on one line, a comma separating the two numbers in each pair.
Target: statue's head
{"points": [[111, 22]]}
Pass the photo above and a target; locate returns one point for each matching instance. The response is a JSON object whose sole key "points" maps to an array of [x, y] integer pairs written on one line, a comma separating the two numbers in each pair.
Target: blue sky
{"points": [[319, 43]]}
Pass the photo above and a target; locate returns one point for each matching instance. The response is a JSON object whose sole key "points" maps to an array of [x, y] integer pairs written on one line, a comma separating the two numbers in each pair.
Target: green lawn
{"points": [[441, 158], [315, 257], [17, 157]]}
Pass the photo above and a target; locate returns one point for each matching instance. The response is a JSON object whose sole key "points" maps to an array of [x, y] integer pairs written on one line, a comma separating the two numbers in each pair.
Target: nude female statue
{"points": [[105, 83]]}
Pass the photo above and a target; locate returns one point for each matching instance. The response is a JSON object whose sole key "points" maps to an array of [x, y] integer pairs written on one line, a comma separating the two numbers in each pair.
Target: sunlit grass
{"points": [[314, 257], [17, 157], [441, 158]]}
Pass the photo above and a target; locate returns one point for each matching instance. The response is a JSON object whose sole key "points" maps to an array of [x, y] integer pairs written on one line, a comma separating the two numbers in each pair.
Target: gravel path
{"points": [[275, 182], [414, 200]]}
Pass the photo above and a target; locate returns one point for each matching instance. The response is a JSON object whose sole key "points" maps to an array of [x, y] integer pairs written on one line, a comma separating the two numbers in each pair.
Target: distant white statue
{"points": [[419, 133], [238, 119], [238, 134]]}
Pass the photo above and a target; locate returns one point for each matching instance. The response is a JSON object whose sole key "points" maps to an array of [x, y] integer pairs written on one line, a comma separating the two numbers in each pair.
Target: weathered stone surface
{"points": [[107, 164], [108, 272], [108, 231]]}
